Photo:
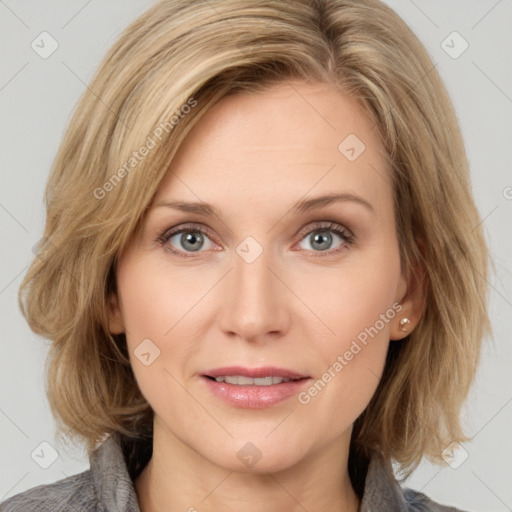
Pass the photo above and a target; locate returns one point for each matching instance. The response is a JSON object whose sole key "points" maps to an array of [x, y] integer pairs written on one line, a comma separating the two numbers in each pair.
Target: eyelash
{"points": [[345, 234]]}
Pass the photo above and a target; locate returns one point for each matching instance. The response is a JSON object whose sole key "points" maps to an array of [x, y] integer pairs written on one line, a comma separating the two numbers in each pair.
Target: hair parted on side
{"points": [[176, 61]]}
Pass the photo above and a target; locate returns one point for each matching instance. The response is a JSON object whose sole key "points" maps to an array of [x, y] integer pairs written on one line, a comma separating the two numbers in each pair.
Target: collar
{"points": [[381, 489], [115, 490]]}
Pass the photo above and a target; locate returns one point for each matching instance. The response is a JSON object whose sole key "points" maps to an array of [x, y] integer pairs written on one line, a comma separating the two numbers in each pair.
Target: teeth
{"points": [[241, 380]]}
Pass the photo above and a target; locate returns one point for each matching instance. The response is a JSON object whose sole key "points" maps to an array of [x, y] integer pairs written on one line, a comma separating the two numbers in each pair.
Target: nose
{"points": [[255, 304]]}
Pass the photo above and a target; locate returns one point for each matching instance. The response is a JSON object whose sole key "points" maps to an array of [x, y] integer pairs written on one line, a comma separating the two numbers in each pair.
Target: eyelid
{"points": [[187, 226], [326, 225]]}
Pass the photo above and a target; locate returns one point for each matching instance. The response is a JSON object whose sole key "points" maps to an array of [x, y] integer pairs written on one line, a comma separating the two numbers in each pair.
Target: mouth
{"points": [[263, 376], [242, 380], [253, 388]]}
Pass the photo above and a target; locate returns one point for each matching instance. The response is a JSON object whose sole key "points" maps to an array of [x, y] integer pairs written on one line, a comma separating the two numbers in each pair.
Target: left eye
{"points": [[321, 238]]}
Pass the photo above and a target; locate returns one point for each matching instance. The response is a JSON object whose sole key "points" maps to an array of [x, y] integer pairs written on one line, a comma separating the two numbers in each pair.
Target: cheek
{"points": [[153, 300], [350, 299], [353, 362], [160, 322], [358, 311]]}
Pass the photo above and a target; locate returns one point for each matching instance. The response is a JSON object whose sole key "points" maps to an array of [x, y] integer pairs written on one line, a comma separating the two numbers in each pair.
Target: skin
{"points": [[253, 156]]}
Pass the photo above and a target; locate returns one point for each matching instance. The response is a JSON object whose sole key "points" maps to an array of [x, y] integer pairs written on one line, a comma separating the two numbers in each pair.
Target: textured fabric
{"points": [[107, 487]]}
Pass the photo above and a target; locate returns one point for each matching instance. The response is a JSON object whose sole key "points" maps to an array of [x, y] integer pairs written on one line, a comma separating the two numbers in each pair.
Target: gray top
{"points": [[107, 487]]}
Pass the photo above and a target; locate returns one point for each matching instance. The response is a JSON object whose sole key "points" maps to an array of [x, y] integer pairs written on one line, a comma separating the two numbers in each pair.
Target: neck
{"points": [[178, 478]]}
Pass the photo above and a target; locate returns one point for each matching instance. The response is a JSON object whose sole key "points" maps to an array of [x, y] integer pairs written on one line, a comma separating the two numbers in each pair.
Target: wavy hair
{"points": [[166, 70]]}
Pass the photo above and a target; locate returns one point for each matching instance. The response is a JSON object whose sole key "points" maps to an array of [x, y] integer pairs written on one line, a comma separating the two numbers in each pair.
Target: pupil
{"points": [[325, 237], [188, 240]]}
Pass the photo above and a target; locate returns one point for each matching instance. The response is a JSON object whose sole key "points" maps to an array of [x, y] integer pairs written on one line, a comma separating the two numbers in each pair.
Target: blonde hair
{"points": [[167, 69]]}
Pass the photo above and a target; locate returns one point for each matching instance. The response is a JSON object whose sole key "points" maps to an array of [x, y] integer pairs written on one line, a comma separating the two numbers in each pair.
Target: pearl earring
{"points": [[404, 322]]}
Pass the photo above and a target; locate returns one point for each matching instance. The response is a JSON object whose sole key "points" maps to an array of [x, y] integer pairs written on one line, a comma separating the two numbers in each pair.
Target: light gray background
{"points": [[36, 99]]}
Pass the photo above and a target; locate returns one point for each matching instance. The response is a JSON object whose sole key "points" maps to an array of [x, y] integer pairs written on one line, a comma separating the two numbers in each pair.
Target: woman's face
{"points": [[311, 289]]}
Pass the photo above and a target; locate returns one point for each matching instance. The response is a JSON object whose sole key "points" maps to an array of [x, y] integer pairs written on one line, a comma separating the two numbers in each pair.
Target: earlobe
{"points": [[115, 320], [412, 301], [401, 327], [404, 324]]}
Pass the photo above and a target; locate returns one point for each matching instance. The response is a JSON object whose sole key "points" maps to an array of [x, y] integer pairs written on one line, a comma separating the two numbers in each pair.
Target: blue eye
{"points": [[192, 238], [322, 239]]}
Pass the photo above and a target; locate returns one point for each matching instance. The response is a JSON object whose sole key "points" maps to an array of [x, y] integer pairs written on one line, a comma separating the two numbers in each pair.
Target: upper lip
{"points": [[264, 371]]}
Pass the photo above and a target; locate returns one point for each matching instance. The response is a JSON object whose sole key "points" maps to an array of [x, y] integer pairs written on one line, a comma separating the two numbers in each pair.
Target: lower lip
{"points": [[254, 397]]}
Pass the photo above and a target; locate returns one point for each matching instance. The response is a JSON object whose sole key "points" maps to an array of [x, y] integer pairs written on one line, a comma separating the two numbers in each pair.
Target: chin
{"points": [[253, 455]]}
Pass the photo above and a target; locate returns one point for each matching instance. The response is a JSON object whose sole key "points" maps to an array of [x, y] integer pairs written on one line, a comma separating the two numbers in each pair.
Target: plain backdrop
{"points": [[37, 96]]}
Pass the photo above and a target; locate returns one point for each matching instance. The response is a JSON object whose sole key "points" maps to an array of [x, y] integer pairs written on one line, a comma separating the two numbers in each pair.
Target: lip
{"points": [[254, 397], [264, 371]]}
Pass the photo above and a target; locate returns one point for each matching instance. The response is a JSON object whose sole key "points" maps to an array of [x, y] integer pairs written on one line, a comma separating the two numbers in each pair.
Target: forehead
{"points": [[292, 140]]}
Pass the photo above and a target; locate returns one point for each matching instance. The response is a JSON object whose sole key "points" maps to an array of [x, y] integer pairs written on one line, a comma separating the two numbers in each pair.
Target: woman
{"points": [[328, 320]]}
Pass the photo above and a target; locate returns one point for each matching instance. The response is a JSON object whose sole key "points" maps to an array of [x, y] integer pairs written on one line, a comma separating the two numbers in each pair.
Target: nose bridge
{"points": [[255, 305]]}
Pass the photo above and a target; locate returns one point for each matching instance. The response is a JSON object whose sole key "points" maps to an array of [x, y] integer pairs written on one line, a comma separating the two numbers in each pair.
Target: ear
{"points": [[115, 319], [411, 294]]}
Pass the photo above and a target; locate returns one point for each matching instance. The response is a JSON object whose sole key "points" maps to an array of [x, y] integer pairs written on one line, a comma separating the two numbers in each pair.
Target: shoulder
{"points": [[419, 502], [382, 491], [74, 493]]}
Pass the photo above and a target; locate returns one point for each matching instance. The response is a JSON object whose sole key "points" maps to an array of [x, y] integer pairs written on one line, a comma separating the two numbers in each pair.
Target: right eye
{"points": [[191, 237]]}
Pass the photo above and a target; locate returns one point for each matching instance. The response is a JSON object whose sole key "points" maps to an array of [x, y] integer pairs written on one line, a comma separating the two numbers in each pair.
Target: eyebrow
{"points": [[300, 207]]}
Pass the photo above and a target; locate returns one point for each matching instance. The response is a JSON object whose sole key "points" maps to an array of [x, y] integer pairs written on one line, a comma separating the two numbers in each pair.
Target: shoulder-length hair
{"points": [[166, 70]]}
